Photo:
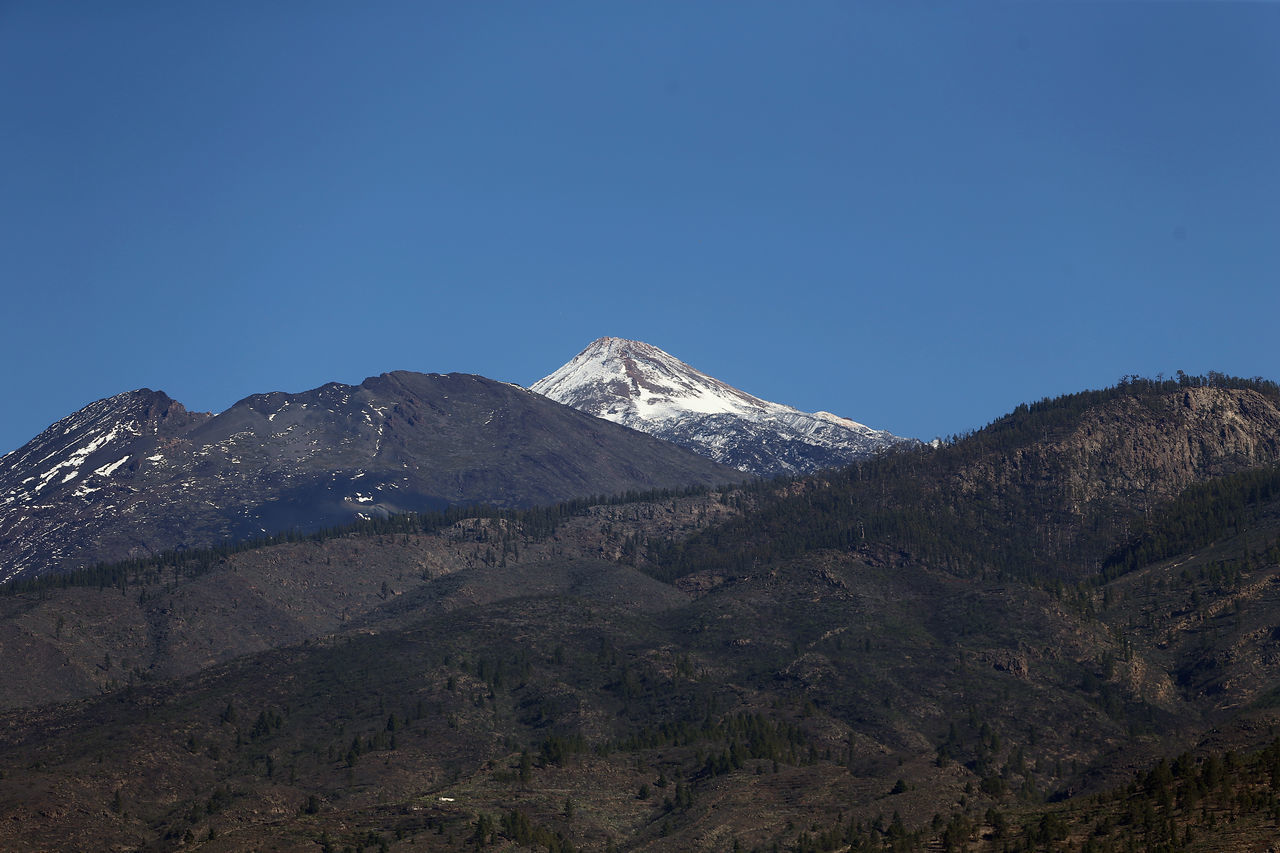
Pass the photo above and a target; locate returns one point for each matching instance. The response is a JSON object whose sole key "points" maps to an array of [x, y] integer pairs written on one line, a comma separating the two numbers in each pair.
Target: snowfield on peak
{"points": [[641, 386], [642, 382]]}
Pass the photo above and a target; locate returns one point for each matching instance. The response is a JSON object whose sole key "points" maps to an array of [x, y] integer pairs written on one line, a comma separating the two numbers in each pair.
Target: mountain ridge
{"points": [[136, 473]]}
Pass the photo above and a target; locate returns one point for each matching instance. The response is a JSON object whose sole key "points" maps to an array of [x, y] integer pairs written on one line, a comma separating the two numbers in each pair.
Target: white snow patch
{"points": [[640, 386], [840, 421], [644, 384], [107, 470], [77, 457]]}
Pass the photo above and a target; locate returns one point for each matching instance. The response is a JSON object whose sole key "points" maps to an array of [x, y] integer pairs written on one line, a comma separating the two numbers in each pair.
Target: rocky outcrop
{"points": [[1142, 448]]}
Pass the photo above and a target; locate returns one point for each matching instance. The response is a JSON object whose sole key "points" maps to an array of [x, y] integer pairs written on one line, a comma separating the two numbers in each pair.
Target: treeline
{"points": [[1202, 514], [906, 500], [517, 826], [744, 735], [920, 500], [1176, 805], [858, 836], [978, 504], [1045, 418], [533, 522]]}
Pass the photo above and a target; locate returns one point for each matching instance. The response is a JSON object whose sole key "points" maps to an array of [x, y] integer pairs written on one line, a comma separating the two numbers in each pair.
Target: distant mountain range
{"points": [[137, 473], [645, 388]]}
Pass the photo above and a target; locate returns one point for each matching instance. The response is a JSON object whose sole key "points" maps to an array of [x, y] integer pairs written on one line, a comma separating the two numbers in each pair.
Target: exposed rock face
{"points": [[136, 473], [1145, 448], [1063, 497], [1162, 445], [81, 474]]}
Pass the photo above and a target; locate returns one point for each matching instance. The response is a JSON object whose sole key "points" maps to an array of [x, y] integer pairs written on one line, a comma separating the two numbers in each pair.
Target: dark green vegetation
{"points": [[1050, 491], [536, 522], [1059, 633]]}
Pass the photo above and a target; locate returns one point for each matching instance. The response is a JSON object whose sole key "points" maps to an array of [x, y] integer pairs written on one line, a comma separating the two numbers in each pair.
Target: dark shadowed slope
{"points": [[136, 473]]}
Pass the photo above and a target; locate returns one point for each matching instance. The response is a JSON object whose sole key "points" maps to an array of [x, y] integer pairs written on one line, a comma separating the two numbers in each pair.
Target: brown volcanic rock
{"points": [[1162, 445], [1126, 454], [1153, 446]]}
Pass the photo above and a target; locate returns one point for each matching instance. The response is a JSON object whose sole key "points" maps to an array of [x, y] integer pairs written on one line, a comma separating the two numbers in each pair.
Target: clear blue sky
{"points": [[915, 214]]}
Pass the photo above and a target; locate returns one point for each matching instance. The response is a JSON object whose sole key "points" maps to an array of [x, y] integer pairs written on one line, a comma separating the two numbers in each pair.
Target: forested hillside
{"points": [[1050, 492], [1057, 633]]}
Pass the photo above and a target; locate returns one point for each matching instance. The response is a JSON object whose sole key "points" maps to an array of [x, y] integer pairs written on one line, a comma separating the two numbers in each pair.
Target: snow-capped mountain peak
{"points": [[643, 387], [627, 381]]}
